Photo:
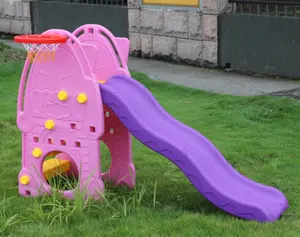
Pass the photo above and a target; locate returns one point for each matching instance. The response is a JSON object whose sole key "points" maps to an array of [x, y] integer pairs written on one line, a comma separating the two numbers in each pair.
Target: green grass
{"points": [[258, 135]]}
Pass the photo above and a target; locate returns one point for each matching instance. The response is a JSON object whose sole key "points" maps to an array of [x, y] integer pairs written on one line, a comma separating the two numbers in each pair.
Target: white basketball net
{"points": [[41, 52]]}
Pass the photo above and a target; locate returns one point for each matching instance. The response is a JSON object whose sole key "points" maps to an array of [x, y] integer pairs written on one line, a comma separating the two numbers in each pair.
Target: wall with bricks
{"points": [[15, 16], [180, 35]]}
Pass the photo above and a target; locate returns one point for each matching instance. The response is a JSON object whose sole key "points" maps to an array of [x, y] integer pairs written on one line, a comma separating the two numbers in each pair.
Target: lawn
{"points": [[258, 135]]}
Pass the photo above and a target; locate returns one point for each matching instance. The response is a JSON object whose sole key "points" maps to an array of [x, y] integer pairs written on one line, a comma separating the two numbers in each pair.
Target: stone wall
{"points": [[15, 16], [177, 35]]}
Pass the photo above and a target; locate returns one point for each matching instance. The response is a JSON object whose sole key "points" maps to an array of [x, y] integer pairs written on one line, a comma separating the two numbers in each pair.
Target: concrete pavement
{"points": [[211, 80]]}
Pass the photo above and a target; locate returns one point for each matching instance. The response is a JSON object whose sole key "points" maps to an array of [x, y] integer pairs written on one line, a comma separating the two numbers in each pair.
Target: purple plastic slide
{"points": [[194, 154]]}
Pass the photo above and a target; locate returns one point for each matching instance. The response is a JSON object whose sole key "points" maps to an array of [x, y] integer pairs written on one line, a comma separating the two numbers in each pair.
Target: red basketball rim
{"points": [[40, 39]]}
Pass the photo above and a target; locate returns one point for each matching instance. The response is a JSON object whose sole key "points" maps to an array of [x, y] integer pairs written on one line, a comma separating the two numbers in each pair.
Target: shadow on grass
{"points": [[162, 193]]}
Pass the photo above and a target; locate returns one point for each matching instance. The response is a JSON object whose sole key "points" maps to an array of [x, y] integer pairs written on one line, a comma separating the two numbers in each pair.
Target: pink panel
{"points": [[70, 72], [108, 62], [124, 45], [118, 140]]}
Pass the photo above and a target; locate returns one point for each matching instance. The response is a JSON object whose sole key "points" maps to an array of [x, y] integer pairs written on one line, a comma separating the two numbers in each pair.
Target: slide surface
{"points": [[194, 154]]}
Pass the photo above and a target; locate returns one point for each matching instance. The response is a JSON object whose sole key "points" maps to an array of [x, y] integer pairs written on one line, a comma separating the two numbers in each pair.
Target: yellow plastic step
{"points": [[54, 167]]}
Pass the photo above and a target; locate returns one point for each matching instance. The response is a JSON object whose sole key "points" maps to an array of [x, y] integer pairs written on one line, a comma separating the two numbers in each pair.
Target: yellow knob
{"points": [[49, 124], [37, 152], [62, 95], [82, 98], [24, 180], [102, 82]]}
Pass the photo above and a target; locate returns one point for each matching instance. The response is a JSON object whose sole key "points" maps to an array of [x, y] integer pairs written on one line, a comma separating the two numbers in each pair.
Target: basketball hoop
{"points": [[41, 48]]}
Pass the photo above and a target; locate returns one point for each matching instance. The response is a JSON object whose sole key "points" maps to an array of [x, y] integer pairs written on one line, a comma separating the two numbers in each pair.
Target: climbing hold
{"points": [[24, 180], [37, 152], [49, 124], [62, 95], [82, 98]]}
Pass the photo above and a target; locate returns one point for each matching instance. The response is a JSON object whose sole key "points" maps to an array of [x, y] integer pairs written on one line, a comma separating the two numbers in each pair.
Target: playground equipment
{"points": [[82, 94]]}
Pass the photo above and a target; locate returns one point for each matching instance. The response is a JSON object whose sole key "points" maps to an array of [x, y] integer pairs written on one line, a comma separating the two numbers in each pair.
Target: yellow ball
{"points": [[82, 98], [37, 152], [24, 180], [49, 124], [62, 95]]}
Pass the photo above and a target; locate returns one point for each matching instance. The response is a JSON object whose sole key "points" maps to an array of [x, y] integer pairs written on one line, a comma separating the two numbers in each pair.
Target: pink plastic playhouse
{"points": [[85, 94], [61, 110]]}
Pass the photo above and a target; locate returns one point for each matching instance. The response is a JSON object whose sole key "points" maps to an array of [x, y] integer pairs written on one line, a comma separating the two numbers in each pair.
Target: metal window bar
{"points": [[93, 2], [266, 7]]}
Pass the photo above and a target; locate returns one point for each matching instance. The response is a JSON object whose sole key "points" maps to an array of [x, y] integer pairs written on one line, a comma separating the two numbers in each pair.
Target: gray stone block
{"points": [[26, 10], [14, 9], [146, 45], [1, 8], [189, 51], [210, 6], [176, 24], [8, 9], [135, 42], [210, 53], [195, 25], [164, 47], [152, 22], [18, 9], [133, 3], [134, 20], [27, 27], [209, 27], [5, 25], [17, 26]]}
